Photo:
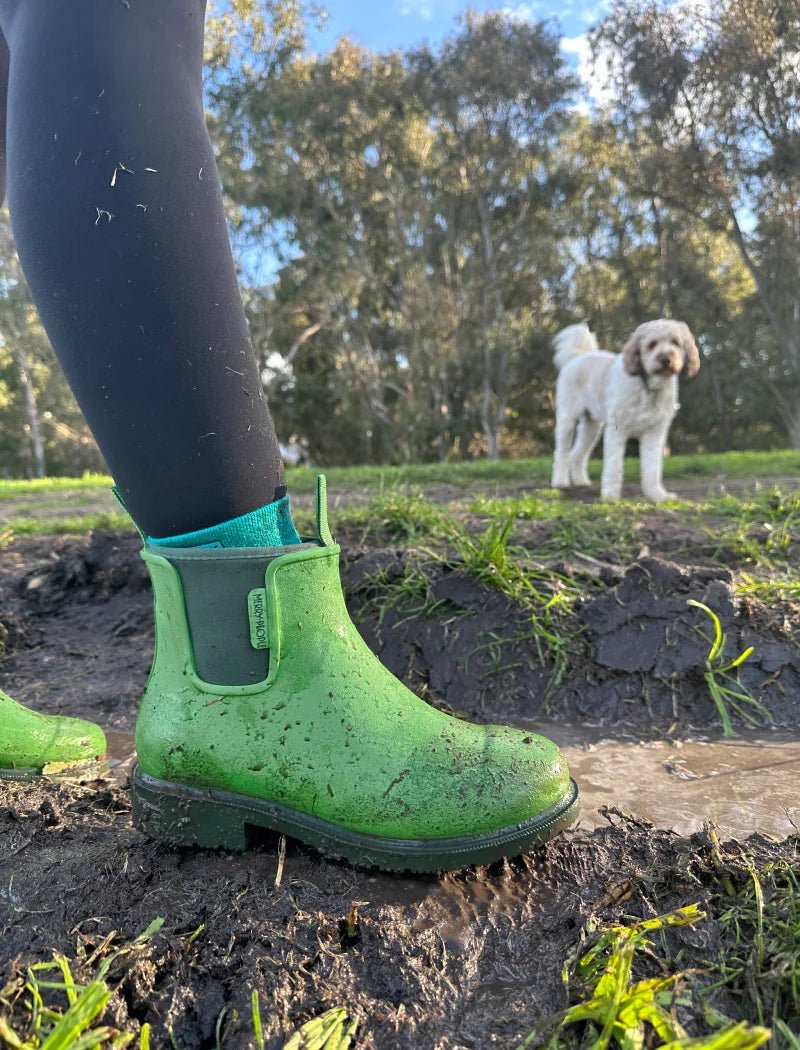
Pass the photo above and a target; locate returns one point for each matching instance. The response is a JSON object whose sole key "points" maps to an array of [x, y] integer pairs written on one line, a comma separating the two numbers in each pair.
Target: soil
{"points": [[472, 959]]}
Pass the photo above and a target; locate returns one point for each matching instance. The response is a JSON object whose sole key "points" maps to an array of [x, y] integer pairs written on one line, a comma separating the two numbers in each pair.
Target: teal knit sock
{"points": [[269, 526]]}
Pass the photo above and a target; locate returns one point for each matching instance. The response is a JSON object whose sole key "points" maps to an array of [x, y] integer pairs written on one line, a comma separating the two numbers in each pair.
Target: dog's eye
{"points": [[652, 344]]}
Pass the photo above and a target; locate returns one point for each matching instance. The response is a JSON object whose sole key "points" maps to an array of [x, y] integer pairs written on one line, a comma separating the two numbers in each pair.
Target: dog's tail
{"points": [[572, 342]]}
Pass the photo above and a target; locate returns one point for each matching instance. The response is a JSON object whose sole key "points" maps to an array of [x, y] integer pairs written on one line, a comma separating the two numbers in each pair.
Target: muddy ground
{"points": [[466, 960]]}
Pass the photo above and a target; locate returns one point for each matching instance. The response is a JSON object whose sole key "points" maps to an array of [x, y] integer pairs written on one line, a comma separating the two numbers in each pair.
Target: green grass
{"points": [[625, 987], [38, 1012], [331, 1030], [725, 690], [544, 596], [610, 1008], [397, 516], [755, 529], [538, 469], [762, 966], [69, 526], [464, 474], [12, 488]]}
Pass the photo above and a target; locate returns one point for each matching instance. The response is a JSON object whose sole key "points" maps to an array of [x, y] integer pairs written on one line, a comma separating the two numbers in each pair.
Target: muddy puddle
{"points": [[742, 787]]}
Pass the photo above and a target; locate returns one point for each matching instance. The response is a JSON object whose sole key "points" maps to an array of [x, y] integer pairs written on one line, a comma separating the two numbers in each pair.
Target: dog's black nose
{"points": [[665, 361]]}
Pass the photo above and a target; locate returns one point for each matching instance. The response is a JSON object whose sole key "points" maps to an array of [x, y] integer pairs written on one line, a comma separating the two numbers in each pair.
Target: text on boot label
{"points": [[257, 613]]}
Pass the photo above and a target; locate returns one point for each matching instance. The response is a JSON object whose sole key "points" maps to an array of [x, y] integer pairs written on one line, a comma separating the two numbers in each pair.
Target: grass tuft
{"points": [[723, 686], [610, 1008], [37, 1013], [332, 1030]]}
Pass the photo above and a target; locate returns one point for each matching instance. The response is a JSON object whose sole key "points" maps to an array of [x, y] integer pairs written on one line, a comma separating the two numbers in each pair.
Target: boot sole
{"points": [[214, 819], [60, 772]]}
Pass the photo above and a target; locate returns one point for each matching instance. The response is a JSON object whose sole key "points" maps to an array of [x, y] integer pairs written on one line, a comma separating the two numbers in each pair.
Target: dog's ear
{"points": [[632, 355], [691, 364]]}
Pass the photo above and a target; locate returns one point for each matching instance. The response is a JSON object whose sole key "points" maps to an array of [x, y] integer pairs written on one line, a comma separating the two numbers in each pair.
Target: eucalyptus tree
{"points": [[497, 93], [708, 96], [41, 427], [407, 199]]}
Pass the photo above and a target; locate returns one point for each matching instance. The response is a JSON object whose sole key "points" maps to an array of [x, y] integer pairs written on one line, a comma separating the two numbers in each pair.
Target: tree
{"points": [[497, 93], [709, 98], [41, 426], [407, 199]]}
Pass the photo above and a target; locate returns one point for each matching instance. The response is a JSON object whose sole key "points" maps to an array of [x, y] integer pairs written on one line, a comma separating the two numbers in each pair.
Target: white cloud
{"points": [[424, 9], [535, 12], [591, 15], [522, 12], [593, 73]]}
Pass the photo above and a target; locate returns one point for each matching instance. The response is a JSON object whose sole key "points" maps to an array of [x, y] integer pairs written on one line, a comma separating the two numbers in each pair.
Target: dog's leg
{"points": [[564, 429], [589, 431], [613, 462], [651, 458]]}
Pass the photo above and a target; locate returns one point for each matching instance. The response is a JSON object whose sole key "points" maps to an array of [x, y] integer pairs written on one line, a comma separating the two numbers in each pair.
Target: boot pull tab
{"points": [[323, 532]]}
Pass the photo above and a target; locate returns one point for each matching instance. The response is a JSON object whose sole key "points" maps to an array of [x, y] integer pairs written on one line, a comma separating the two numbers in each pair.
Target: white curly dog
{"points": [[632, 395]]}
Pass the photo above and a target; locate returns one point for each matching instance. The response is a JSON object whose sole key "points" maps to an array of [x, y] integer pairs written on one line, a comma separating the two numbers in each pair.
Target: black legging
{"points": [[118, 219]]}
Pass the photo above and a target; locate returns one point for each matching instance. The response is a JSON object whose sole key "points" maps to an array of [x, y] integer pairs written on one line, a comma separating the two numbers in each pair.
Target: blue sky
{"points": [[386, 24]]}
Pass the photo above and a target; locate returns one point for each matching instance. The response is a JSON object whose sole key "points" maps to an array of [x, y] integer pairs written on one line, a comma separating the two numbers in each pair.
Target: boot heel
{"points": [[184, 816]]}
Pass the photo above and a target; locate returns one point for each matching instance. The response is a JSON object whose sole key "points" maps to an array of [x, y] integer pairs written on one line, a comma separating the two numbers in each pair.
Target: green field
{"points": [[502, 472]]}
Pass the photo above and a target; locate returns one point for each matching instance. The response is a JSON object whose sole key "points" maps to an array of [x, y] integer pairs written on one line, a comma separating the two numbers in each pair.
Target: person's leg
{"points": [[120, 227]]}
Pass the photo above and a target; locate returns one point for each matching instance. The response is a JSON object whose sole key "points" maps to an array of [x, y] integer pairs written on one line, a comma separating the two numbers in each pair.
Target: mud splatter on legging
{"points": [[118, 218]]}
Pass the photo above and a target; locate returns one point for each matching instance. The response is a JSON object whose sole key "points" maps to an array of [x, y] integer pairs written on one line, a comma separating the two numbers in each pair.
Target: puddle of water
{"points": [[745, 785], [121, 755], [742, 786]]}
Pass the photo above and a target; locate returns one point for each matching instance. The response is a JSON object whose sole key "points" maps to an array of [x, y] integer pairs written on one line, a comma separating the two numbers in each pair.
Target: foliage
{"points": [[38, 1012], [707, 101], [332, 1030], [412, 228]]}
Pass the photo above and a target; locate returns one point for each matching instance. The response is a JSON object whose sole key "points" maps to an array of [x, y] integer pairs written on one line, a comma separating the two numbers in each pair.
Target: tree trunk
{"points": [[492, 416], [793, 428], [31, 415]]}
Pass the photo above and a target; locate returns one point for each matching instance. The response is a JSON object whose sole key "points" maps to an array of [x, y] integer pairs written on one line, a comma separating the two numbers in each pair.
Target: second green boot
{"points": [[50, 746], [266, 709]]}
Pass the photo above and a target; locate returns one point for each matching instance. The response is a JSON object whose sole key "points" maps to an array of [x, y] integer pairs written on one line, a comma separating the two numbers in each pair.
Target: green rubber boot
{"points": [[50, 746], [266, 709]]}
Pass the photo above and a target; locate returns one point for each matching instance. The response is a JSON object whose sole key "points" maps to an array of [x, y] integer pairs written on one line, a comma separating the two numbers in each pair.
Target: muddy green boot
{"points": [[266, 709], [50, 746]]}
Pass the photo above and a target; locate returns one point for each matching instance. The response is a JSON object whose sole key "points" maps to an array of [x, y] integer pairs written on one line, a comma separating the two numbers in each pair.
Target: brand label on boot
{"points": [[257, 611]]}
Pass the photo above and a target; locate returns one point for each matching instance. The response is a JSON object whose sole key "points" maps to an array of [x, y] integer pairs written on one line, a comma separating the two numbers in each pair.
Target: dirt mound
{"points": [[86, 569], [638, 651]]}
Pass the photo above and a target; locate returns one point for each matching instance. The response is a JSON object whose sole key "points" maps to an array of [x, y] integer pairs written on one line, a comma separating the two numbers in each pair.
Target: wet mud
{"points": [[472, 959], [638, 650]]}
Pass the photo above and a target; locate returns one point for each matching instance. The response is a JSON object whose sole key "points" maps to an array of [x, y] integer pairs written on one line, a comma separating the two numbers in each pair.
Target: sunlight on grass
{"points": [[613, 1009], [117, 521], [332, 1030], [715, 466]]}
